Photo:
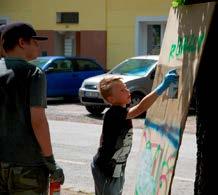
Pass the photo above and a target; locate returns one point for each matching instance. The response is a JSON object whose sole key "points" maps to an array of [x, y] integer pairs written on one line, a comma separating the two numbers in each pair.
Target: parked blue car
{"points": [[66, 74]]}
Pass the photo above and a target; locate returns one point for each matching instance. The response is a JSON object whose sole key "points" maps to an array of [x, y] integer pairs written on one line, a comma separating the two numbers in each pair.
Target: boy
{"points": [[108, 166]]}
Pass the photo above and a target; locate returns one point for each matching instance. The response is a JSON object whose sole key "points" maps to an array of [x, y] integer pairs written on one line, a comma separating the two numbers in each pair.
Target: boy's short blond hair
{"points": [[106, 84]]}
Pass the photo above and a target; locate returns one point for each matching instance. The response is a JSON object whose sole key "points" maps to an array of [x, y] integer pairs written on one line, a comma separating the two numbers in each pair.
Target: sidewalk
{"points": [[71, 132], [190, 126]]}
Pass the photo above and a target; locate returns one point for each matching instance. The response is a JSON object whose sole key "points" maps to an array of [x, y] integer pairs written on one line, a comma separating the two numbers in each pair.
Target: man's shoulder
{"points": [[23, 69], [12, 60], [18, 63], [21, 66]]}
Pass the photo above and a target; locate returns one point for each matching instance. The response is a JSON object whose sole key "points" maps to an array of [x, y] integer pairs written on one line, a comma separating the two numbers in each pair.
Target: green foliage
{"points": [[176, 3]]}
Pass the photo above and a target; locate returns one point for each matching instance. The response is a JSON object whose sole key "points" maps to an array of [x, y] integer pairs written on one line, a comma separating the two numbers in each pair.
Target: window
{"points": [[4, 20], [61, 65], [149, 34], [44, 53], [154, 39], [137, 67], [87, 65], [67, 17]]}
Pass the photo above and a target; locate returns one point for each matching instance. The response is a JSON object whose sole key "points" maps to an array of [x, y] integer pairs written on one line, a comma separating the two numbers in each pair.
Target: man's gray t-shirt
{"points": [[22, 86]]}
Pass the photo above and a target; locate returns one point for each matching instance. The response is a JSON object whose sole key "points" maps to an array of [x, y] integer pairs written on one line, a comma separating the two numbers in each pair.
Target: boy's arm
{"points": [[148, 100], [143, 105]]}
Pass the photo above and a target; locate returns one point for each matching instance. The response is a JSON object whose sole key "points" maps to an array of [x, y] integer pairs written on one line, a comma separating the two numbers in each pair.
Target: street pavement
{"points": [[74, 145]]}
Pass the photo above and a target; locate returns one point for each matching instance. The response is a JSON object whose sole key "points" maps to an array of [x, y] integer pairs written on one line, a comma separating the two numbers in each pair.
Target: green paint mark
{"points": [[148, 145], [172, 50], [161, 184], [192, 43], [179, 48], [157, 152], [165, 164], [200, 41], [186, 44]]}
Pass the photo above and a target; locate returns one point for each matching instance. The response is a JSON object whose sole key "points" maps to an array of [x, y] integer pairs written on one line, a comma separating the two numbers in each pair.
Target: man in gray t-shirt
{"points": [[26, 157]]}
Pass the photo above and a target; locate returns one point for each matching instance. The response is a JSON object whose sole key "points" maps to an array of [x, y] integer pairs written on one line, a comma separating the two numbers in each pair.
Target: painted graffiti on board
{"points": [[181, 49], [157, 159], [186, 44]]}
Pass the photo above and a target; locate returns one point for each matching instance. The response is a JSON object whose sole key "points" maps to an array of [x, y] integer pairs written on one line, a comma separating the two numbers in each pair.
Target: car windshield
{"points": [[40, 62], [134, 67]]}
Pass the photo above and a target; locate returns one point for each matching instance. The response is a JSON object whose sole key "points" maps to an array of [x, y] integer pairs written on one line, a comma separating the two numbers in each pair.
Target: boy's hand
{"points": [[170, 77], [57, 174]]}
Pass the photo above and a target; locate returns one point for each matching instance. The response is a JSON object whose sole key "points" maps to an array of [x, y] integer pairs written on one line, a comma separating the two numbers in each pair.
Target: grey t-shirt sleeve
{"points": [[38, 89]]}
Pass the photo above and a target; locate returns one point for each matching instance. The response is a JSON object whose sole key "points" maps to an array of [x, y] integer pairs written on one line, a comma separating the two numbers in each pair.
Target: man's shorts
{"points": [[19, 180]]}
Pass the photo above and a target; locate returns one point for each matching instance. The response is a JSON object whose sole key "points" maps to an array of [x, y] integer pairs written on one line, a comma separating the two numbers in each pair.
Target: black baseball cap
{"points": [[20, 30], [11, 33]]}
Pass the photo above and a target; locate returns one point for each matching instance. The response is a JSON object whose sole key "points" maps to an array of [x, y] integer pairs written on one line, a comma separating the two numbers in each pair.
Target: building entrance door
{"points": [[149, 35]]}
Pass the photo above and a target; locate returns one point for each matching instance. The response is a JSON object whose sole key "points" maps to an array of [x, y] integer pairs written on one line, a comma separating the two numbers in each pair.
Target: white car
{"points": [[136, 72]]}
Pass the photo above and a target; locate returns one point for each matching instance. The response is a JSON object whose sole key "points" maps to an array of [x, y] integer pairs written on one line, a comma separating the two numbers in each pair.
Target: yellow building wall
{"points": [[42, 13], [121, 21], [117, 17]]}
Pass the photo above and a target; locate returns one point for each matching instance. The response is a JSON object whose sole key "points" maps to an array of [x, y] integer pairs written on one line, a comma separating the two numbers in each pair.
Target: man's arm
{"points": [[40, 124], [41, 129]]}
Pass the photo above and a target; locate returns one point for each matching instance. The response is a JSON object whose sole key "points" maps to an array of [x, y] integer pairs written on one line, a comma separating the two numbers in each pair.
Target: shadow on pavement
{"points": [[98, 117], [62, 100]]}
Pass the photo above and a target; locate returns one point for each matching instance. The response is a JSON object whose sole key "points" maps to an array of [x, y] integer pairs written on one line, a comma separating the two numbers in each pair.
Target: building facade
{"points": [[107, 30]]}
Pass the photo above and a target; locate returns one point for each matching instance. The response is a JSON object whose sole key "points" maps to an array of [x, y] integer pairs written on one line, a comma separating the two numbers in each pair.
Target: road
{"points": [[73, 111], [75, 137]]}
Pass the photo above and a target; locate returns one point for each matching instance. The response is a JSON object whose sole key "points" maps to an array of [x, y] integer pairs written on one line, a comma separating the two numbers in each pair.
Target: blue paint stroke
{"points": [[172, 133]]}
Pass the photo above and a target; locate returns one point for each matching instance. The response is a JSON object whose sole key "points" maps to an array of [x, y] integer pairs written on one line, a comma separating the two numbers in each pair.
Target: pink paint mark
{"points": [[154, 145], [163, 177], [144, 134], [170, 171]]}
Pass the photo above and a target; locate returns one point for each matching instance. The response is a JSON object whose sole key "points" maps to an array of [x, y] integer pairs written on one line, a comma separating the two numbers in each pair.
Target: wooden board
{"points": [[182, 47]]}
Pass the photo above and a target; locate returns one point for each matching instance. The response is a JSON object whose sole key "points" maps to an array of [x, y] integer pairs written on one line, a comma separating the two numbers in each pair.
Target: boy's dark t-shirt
{"points": [[116, 142]]}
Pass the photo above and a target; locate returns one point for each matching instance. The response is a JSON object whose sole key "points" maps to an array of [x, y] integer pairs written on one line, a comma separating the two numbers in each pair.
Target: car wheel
{"points": [[96, 110], [135, 99]]}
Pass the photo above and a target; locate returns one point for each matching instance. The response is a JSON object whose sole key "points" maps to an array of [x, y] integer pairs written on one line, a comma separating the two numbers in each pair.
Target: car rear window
{"points": [[135, 67]]}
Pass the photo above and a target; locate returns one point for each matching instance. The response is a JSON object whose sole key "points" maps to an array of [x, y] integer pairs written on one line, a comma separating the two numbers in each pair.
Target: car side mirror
{"points": [[50, 69], [152, 75]]}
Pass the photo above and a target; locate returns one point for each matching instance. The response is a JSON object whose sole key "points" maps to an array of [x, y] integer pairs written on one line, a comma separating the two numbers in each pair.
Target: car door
{"points": [[82, 69], [59, 78]]}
